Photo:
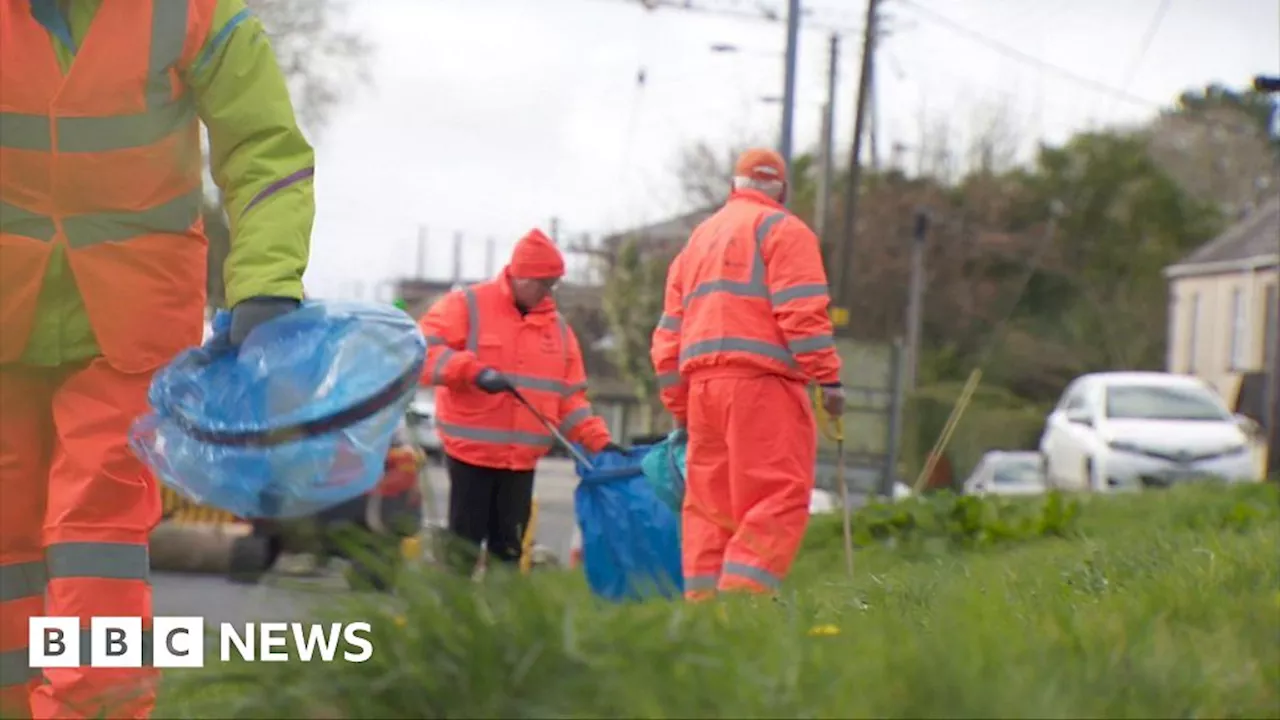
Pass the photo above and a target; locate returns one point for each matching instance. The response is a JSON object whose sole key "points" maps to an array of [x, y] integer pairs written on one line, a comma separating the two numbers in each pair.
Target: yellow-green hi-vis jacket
{"points": [[259, 158]]}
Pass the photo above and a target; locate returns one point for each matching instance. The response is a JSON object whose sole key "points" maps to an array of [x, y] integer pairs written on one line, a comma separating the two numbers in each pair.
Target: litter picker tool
{"points": [[551, 428], [833, 429]]}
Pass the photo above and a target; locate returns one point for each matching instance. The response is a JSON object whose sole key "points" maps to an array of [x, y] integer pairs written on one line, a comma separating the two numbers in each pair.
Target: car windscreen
{"points": [[1159, 402], [1016, 472]]}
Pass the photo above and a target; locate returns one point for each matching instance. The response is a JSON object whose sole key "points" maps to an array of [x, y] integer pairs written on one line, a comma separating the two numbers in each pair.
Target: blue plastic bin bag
{"points": [[298, 420], [630, 538], [664, 468]]}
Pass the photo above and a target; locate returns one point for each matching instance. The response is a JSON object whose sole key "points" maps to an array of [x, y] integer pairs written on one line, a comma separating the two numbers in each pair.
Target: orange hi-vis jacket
{"points": [[479, 327], [746, 296], [106, 162]]}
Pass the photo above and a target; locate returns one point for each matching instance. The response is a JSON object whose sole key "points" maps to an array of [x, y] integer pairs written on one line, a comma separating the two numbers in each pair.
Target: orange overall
{"points": [[744, 329], [103, 162]]}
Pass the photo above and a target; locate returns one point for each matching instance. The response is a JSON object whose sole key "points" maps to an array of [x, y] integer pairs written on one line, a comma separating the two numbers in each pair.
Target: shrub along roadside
{"points": [[1158, 605]]}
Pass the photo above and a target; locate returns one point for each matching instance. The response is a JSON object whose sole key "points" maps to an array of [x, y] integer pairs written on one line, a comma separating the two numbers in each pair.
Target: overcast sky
{"points": [[488, 117]]}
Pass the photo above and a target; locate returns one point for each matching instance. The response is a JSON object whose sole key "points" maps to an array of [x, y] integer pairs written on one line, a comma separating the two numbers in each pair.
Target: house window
{"points": [[1193, 321], [1270, 328], [1239, 330]]}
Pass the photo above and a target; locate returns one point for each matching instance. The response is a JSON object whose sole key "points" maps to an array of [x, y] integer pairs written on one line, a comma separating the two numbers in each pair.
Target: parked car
{"points": [[1128, 430], [1003, 472], [421, 420]]}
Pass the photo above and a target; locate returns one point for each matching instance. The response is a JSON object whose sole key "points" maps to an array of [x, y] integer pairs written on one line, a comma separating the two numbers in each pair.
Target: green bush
{"points": [[1154, 605]]}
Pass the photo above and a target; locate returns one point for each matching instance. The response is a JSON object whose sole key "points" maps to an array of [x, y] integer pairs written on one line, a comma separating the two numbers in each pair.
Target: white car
{"points": [[1002, 472], [1128, 430], [421, 421]]}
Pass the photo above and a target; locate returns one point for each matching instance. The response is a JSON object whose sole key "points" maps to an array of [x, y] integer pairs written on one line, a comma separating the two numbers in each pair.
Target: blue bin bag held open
{"points": [[630, 538], [664, 468], [298, 420]]}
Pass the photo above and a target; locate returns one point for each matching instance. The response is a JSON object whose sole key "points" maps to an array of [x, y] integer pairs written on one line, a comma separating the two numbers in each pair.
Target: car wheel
{"points": [[1088, 475]]}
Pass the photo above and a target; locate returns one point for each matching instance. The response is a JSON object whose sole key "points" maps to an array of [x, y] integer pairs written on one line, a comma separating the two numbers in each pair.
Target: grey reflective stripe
{"points": [[669, 379], [731, 344], [163, 116], [22, 580], [15, 669], [115, 561], [756, 285], [575, 388], [175, 216], [20, 131], [122, 132], [437, 370], [666, 322], [698, 583], [798, 292], [16, 221], [571, 420], [435, 341], [473, 320], [501, 437], [809, 344], [530, 382], [764, 577], [168, 35]]}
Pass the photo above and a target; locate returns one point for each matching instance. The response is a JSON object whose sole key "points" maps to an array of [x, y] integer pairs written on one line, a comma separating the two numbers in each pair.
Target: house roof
{"points": [[1252, 242]]}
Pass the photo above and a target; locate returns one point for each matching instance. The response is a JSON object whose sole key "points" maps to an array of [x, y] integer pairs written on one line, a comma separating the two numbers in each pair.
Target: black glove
{"points": [[492, 381], [252, 312], [615, 447]]}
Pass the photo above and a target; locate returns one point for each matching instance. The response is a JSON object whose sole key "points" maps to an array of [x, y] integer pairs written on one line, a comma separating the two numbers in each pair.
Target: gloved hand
{"points": [[252, 312], [492, 381], [833, 399], [615, 447]]}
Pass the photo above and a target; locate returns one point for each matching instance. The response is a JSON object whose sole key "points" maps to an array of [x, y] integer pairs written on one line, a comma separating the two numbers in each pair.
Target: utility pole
{"points": [[422, 252], [873, 108], [1271, 86], [915, 299], [789, 81], [554, 230], [828, 146], [844, 254]]}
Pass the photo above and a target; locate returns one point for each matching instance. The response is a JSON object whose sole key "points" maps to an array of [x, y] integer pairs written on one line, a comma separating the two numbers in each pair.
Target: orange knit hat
{"points": [[536, 256]]}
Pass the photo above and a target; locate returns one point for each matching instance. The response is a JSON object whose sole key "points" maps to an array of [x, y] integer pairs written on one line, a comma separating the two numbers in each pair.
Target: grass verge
{"points": [[1154, 605]]}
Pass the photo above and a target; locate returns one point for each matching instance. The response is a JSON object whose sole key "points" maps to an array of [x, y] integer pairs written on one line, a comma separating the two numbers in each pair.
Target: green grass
{"points": [[1157, 605]]}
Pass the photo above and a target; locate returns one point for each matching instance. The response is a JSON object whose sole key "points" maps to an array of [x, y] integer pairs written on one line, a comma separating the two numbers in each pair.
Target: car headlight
{"points": [[1124, 446]]}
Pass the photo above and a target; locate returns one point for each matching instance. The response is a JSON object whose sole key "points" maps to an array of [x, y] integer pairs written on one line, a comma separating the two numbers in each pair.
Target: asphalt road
{"points": [[283, 597]]}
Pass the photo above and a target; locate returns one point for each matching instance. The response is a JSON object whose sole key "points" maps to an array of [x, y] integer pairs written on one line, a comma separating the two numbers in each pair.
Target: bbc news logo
{"points": [[179, 642]]}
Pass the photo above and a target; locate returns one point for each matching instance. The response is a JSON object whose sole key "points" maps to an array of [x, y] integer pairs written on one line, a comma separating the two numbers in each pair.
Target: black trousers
{"points": [[486, 505]]}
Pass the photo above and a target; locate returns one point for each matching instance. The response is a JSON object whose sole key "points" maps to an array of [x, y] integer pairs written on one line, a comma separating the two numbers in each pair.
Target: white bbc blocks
{"points": [[55, 642]]}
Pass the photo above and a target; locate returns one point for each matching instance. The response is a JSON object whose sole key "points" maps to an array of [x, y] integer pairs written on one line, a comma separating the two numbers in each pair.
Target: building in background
{"points": [[1224, 301]]}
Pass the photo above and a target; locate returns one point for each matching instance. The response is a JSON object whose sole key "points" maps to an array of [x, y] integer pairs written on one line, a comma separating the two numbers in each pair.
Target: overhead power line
{"points": [[759, 12]]}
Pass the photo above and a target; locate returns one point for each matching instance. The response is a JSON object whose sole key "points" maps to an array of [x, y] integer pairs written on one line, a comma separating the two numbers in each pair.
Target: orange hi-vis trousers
{"points": [[76, 510], [751, 460]]}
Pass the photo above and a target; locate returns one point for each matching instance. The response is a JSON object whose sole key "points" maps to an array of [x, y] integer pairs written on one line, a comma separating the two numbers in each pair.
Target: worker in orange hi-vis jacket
{"points": [[484, 341], [744, 330]]}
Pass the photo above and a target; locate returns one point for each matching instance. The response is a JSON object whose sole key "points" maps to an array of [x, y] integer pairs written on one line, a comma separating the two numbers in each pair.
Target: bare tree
{"points": [[321, 58], [633, 298]]}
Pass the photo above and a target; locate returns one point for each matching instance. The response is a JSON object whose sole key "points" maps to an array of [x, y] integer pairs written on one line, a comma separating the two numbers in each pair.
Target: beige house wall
{"points": [[1205, 331]]}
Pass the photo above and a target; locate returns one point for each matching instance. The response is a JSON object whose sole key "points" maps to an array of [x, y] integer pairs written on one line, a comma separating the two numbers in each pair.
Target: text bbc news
{"points": [[179, 642]]}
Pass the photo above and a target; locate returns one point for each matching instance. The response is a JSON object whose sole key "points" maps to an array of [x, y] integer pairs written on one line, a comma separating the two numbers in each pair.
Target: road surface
{"points": [[286, 598]]}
